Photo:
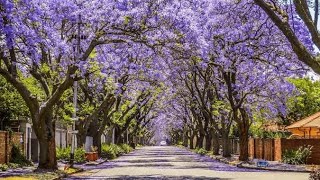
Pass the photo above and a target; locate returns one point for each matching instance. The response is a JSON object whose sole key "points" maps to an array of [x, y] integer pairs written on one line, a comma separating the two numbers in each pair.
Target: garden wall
{"points": [[287, 144], [262, 149], [272, 149], [6, 141]]}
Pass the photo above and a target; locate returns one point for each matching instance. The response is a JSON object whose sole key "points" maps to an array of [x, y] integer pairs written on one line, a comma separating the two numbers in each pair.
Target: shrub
{"points": [[180, 144], [315, 175], [118, 150], [3, 167], [126, 148], [79, 155], [108, 152], [299, 156], [14, 165], [270, 134], [18, 157], [63, 153], [201, 151], [112, 151]]}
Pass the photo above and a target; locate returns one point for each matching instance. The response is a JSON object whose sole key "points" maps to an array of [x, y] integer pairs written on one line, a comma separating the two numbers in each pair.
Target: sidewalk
{"points": [[273, 165], [62, 170]]}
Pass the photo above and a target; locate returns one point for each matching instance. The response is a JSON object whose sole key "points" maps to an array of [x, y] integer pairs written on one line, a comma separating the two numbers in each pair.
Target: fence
{"points": [[272, 149], [6, 141]]}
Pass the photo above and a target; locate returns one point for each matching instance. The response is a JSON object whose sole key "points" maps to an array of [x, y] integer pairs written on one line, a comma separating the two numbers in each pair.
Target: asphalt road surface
{"points": [[167, 162]]}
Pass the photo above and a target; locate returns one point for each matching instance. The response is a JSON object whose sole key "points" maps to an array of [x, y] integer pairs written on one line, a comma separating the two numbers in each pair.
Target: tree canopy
{"points": [[169, 67]]}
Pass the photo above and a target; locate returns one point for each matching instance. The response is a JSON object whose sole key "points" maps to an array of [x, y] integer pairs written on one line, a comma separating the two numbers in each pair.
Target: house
{"points": [[308, 127]]}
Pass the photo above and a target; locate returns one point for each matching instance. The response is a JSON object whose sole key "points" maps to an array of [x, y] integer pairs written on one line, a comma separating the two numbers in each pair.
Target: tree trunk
{"points": [[244, 135], [225, 130], [208, 142], [185, 138], [191, 140], [118, 136], [46, 137], [226, 145], [95, 133], [118, 140], [97, 141], [47, 157], [177, 139], [132, 140], [216, 144], [200, 141], [244, 155], [81, 139]]}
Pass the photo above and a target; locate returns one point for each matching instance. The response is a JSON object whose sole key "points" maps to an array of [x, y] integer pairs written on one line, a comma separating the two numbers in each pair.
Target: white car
{"points": [[163, 143]]}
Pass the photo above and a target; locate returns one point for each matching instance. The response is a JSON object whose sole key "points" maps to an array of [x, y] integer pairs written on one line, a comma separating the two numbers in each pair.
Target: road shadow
{"points": [[14, 172], [152, 177], [144, 161], [159, 159], [162, 165]]}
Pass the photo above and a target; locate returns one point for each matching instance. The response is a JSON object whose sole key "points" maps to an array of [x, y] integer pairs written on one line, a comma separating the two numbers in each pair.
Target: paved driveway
{"points": [[167, 162]]}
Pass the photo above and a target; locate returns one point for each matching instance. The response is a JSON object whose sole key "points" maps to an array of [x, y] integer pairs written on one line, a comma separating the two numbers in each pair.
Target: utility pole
{"points": [[75, 94]]}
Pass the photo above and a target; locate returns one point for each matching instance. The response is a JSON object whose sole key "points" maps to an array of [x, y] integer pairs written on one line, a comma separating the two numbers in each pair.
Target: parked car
{"points": [[163, 143]]}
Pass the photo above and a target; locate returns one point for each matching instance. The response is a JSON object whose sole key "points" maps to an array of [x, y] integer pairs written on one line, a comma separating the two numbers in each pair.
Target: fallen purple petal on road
{"points": [[170, 163]]}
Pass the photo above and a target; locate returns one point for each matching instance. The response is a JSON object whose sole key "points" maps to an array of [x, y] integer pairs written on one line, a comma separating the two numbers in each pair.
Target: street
{"points": [[168, 162]]}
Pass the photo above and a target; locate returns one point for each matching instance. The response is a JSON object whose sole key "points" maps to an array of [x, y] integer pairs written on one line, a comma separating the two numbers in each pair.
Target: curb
{"points": [[95, 164], [239, 165], [276, 170]]}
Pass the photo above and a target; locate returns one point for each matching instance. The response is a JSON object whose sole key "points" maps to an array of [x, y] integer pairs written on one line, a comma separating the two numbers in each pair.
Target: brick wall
{"points": [[261, 148], [6, 142], [251, 148], [277, 149], [288, 144], [258, 146], [268, 149], [272, 149]]}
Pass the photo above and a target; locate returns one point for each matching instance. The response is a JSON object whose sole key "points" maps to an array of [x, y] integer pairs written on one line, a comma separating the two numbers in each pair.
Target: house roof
{"points": [[308, 122]]}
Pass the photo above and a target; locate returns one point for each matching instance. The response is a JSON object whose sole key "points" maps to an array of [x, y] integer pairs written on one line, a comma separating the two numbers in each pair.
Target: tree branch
{"points": [[301, 51]]}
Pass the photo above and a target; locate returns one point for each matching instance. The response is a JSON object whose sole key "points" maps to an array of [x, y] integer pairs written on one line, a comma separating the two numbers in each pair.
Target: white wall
{"points": [[61, 138], [89, 143]]}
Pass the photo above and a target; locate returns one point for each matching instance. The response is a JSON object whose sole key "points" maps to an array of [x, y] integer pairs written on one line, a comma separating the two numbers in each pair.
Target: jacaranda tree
{"points": [[51, 42]]}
